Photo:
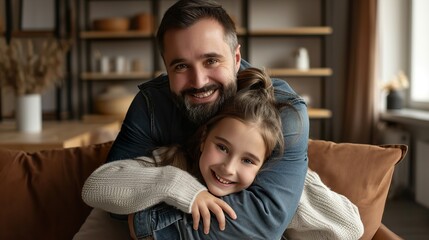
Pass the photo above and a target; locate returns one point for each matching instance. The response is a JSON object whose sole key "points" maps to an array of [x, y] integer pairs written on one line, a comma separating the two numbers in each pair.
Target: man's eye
{"points": [[180, 67], [211, 61]]}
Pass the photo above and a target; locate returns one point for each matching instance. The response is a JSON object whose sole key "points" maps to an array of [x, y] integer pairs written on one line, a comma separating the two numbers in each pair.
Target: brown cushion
{"points": [[362, 173], [41, 191]]}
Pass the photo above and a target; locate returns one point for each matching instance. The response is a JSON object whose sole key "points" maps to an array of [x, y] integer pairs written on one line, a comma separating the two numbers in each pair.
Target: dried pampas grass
{"points": [[28, 67]]}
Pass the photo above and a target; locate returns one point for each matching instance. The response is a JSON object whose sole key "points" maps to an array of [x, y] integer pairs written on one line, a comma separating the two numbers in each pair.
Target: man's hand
{"points": [[206, 202]]}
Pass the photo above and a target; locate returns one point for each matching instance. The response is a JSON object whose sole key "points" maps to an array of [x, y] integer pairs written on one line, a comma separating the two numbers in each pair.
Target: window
{"points": [[419, 54], [404, 46]]}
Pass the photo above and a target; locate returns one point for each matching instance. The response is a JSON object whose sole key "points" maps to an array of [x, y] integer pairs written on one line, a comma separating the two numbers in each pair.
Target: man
{"points": [[199, 46]]}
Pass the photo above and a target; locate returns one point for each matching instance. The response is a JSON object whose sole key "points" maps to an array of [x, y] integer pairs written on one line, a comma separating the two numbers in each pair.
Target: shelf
{"points": [[86, 76], [319, 113], [31, 34], [292, 31], [287, 72], [116, 35]]}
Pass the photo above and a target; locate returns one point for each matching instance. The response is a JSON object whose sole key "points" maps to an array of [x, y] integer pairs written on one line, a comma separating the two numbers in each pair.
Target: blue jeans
{"points": [[161, 217]]}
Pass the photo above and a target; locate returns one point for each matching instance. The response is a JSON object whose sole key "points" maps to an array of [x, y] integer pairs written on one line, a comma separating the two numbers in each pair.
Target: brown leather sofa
{"points": [[41, 191]]}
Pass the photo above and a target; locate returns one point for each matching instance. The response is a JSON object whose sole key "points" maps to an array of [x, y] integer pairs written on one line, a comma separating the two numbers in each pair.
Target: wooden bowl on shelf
{"points": [[112, 24], [142, 22], [115, 100]]}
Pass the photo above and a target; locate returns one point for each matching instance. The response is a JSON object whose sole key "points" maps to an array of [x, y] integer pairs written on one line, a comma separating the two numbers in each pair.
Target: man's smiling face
{"points": [[201, 68]]}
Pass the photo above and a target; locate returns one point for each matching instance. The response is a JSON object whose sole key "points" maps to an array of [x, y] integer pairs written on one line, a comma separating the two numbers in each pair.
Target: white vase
{"points": [[29, 113], [302, 59]]}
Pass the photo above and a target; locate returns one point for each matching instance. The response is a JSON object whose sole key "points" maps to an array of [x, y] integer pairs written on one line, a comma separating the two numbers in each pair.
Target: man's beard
{"points": [[200, 113]]}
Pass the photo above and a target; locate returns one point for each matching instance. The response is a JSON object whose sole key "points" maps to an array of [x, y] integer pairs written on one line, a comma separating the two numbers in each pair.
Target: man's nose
{"points": [[199, 77]]}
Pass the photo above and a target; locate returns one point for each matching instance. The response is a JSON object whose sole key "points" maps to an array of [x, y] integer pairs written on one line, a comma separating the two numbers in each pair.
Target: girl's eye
{"points": [[247, 161], [222, 148]]}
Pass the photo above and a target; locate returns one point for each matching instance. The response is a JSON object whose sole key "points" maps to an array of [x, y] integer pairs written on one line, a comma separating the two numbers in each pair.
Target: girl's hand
{"points": [[206, 202]]}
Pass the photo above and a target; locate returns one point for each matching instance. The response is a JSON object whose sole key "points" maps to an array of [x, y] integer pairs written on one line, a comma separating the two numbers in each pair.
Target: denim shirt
{"points": [[263, 210]]}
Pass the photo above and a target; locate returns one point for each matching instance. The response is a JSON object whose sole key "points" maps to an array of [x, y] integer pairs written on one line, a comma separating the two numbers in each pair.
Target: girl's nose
{"points": [[229, 166]]}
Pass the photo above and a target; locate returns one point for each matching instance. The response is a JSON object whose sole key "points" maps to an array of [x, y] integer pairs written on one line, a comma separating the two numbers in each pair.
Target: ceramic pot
{"points": [[29, 113], [394, 100]]}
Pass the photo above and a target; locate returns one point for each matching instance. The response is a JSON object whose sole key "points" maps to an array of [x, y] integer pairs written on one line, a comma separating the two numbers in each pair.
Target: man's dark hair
{"points": [[185, 13]]}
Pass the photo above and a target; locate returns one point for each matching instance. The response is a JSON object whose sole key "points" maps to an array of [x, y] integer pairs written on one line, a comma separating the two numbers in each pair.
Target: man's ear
{"points": [[237, 57]]}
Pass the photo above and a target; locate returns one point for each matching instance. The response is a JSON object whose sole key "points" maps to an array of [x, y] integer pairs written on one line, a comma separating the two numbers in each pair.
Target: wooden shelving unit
{"points": [[321, 72], [89, 75], [322, 113]]}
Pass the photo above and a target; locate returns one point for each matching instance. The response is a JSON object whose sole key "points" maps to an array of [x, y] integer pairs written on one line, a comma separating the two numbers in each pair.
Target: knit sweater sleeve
{"points": [[128, 186], [324, 214]]}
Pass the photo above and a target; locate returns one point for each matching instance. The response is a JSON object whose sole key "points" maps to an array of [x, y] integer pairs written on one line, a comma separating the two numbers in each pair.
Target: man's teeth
{"points": [[222, 180], [203, 94]]}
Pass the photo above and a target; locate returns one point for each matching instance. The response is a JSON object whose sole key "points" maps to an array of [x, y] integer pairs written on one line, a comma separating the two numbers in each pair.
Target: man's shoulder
{"points": [[160, 83], [284, 92]]}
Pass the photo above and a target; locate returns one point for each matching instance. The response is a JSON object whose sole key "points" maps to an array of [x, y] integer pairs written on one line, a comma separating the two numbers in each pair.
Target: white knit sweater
{"points": [[324, 214], [128, 186]]}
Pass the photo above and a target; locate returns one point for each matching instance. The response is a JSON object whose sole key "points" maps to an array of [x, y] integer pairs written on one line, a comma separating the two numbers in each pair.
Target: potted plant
{"points": [[29, 68], [395, 89]]}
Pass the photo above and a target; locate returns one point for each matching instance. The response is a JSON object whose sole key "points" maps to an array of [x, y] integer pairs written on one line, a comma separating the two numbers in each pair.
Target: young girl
{"points": [[226, 154]]}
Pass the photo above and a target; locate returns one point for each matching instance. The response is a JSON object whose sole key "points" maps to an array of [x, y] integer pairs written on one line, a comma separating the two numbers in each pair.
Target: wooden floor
{"points": [[406, 218]]}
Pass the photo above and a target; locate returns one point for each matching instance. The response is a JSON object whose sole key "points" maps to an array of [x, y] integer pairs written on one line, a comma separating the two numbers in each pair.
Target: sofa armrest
{"points": [[41, 191], [384, 233]]}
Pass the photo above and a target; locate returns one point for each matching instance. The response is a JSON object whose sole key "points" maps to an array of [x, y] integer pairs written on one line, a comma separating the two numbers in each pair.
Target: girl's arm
{"points": [[138, 185], [135, 187], [324, 214]]}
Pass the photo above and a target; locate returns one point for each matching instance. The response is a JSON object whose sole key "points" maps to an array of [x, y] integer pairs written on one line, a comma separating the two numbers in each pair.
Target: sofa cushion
{"points": [[41, 191], [360, 172]]}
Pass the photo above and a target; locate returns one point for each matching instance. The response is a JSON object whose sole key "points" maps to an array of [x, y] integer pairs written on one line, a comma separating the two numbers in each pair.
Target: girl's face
{"points": [[231, 156]]}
